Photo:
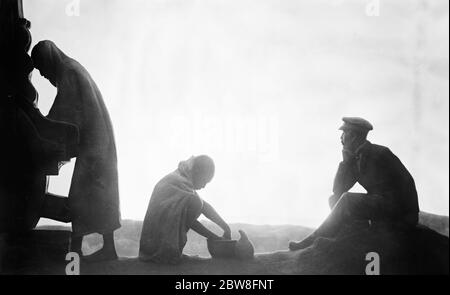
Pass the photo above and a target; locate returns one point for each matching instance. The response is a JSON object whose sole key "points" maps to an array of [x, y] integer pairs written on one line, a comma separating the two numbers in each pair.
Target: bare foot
{"points": [[101, 255], [294, 246]]}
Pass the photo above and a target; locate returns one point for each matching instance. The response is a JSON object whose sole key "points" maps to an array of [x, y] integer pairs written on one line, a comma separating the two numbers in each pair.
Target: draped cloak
{"points": [[94, 191], [164, 231]]}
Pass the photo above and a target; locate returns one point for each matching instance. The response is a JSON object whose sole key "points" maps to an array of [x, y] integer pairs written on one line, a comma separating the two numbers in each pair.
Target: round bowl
{"points": [[222, 248]]}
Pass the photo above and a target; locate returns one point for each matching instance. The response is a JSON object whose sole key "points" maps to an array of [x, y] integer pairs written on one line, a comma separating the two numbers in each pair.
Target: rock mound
{"points": [[417, 251]]}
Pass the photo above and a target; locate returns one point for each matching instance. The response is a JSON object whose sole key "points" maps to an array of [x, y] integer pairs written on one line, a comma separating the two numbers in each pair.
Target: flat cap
{"points": [[356, 123]]}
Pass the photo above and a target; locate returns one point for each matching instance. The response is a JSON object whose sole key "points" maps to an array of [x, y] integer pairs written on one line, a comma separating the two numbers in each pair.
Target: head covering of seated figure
{"points": [[198, 169]]}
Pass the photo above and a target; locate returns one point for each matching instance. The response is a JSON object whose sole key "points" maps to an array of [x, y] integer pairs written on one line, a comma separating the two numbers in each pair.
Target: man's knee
{"points": [[344, 199], [332, 200], [348, 203]]}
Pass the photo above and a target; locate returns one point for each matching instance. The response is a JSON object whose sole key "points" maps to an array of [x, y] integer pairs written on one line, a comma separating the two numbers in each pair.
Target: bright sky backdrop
{"points": [[261, 86]]}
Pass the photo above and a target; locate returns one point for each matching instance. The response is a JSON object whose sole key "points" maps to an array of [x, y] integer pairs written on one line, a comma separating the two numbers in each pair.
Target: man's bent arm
{"points": [[344, 180]]}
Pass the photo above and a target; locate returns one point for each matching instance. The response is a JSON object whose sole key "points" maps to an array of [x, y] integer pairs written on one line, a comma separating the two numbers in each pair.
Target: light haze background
{"points": [[261, 86]]}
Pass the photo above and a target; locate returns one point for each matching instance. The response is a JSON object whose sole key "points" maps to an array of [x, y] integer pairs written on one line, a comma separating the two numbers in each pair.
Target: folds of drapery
{"points": [[164, 232]]}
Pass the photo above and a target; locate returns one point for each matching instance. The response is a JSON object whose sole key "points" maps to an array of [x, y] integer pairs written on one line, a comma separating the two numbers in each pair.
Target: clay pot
{"points": [[222, 248]]}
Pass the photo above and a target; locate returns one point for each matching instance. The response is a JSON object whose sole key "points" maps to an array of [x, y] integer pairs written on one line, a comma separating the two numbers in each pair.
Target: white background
{"points": [[261, 86]]}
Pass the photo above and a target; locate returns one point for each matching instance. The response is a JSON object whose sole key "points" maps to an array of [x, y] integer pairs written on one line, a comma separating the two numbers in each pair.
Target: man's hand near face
{"points": [[347, 155]]}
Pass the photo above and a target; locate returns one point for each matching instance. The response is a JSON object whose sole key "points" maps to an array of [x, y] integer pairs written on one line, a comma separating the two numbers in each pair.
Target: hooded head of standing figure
{"points": [[49, 60]]}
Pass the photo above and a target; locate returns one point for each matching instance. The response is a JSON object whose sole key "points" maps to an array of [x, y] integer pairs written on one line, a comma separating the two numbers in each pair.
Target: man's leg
{"points": [[75, 244], [348, 206], [108, 244]]}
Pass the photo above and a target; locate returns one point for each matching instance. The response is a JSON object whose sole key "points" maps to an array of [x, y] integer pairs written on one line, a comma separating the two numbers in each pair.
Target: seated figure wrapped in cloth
{"points": [[174, 208]]}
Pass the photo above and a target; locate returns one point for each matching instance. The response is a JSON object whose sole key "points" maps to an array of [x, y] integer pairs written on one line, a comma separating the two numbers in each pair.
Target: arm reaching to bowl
{"points": [[199, 228], [209, 212]]}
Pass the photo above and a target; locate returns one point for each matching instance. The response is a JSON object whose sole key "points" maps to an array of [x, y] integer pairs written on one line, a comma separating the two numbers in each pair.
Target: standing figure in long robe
{"points": [[174, 208], [94, 193]]}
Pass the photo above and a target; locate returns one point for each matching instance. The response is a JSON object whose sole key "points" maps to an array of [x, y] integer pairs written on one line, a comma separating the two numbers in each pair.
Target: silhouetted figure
{"points": [[94, 194], [391, 192], [174, 208], [34, 145]]}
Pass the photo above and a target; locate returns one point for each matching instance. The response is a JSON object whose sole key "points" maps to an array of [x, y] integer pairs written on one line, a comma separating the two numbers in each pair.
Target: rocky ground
{"points": [[420, 251]]}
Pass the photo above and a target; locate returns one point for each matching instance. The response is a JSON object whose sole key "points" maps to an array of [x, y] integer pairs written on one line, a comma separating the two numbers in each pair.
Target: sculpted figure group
{"points": [[92, 205]]}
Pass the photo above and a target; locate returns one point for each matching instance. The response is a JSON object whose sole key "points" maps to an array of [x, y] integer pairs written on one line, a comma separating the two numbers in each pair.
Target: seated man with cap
{"points": [[391, 192]]}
